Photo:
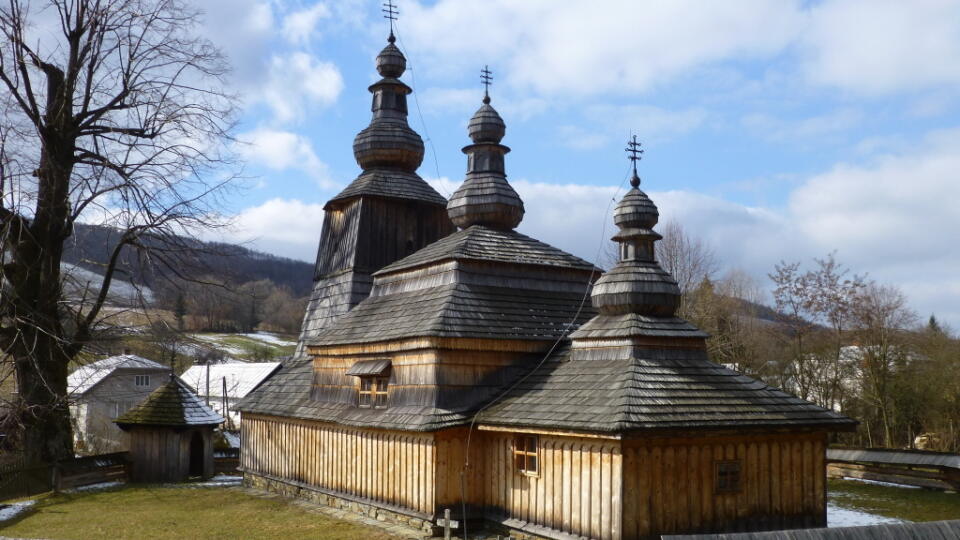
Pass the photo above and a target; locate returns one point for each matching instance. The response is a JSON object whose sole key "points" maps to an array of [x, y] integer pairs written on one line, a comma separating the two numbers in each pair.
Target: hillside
{"points": [[89, 248]]}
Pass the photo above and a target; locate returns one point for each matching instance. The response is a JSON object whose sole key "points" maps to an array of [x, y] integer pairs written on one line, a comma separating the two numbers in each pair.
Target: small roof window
{"points": [[368, 368]]}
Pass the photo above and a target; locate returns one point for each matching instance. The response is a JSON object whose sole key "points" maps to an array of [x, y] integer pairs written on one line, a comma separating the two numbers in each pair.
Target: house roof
{"points": [[86, 377], [242, 377], [173, 404], [619, 389], [485, 244]]}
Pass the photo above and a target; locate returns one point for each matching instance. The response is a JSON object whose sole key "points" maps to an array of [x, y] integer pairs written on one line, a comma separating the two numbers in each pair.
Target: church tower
{"points": [[387, 213]]}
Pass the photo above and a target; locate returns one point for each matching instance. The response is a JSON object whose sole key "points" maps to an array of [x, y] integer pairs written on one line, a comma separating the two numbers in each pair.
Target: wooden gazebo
{"points": [[171, 435]]}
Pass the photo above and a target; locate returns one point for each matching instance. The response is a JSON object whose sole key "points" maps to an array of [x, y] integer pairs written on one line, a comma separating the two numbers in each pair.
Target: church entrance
{"points": [[196, 454]]}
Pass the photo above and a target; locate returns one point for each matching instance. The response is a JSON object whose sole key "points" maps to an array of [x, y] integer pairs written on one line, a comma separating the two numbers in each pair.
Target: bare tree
{"points": [[114, 112], [689, 259]]}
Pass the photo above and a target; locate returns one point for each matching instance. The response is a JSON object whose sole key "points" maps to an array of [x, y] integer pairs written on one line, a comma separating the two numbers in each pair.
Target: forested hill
{"points": [[90, 247]]}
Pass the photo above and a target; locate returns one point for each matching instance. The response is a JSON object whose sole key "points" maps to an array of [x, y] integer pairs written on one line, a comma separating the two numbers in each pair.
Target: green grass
{"points": [[176, 513], [901, 503]]}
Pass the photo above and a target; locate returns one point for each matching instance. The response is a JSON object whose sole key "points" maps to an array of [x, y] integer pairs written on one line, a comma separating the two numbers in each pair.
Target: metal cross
{"points": [[486, 76], [635, 154], [390, 12]]}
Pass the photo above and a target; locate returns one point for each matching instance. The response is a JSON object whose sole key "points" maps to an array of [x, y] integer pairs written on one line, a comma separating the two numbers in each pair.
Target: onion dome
{"points": [[388, 142], [637, 284], [485, 198]]}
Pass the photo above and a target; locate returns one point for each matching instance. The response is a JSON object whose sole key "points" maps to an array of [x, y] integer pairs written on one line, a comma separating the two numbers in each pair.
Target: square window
{"points": [[525, 454], [373, 392], [727, 476], [141, 380]]}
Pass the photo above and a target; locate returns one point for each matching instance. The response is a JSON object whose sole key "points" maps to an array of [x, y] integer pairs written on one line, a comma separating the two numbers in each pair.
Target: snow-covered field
{"points": [[267, 337]]}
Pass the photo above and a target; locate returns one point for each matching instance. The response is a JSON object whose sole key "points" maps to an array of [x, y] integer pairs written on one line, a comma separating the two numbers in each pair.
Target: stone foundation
{"points": [[341, 502]]}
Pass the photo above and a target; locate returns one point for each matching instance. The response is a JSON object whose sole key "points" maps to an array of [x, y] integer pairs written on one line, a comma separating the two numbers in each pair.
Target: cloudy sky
{"points": [[774, 129]]}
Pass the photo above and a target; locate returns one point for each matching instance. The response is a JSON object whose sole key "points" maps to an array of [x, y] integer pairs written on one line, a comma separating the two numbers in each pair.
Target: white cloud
{"points": [[300, 26], [883, 46], [285, 227], [297, 82], [829, 124], [615, 122], [284, 150], [584, 48]]}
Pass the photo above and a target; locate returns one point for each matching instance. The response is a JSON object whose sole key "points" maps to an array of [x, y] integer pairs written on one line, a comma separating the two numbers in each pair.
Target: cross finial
{"points": [[486, 77], [635, 153], [390, 12]]}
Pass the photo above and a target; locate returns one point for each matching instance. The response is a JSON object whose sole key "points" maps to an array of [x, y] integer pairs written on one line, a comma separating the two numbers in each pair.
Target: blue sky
{"points": [[773, 129]]}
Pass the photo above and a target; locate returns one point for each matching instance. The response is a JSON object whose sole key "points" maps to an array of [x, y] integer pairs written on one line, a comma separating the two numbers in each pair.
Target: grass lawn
{"points": [[174, 512], [895, 502]]}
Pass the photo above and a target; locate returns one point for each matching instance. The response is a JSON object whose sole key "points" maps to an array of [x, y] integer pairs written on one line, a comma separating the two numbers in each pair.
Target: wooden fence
{"points": [[23, 477], [931, 470]]}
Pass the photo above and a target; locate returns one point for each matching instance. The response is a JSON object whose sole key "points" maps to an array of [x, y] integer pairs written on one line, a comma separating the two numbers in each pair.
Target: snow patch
{"points": [[12, 510], [272, 339], [847, 517], [220, 480], [879, 483], [94, 487]]}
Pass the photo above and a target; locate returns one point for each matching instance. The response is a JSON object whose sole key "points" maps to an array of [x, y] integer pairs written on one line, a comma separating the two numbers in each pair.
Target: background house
{"points": [[240, 378], [101, 391]]}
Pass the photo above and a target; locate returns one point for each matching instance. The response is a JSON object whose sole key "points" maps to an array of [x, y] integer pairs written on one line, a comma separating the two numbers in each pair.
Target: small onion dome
{"points": [[485, 199], [388, 144], [637, 284], [486, 126], [390, 62], [636, 211]]}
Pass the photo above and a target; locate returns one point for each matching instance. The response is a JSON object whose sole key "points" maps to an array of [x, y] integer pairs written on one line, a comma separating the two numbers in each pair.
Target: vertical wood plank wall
{"points": [[577, 491], [669, 484], [395, 468]]}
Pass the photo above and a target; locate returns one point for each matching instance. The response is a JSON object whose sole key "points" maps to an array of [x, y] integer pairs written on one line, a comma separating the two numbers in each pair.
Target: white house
{"points": [[239, 378], [101, 391]]}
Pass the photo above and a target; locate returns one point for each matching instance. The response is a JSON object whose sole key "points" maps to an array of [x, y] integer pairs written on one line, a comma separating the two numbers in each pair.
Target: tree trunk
{"points": [[40, 348]]}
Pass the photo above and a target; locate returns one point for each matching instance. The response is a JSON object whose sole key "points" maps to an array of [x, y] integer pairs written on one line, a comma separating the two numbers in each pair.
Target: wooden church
{"points": [[488, 373]]}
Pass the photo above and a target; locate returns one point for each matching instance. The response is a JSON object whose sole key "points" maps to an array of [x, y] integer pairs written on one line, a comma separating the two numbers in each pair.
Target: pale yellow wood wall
{"points": [[669, 484], [577, 489], [396, 468]]}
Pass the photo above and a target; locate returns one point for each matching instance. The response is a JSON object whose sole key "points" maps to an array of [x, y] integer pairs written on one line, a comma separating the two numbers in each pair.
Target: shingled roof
{"points": [[391, 184], [486, 244], [173, 404], [460, 310], [288, 393], [629, 388]]}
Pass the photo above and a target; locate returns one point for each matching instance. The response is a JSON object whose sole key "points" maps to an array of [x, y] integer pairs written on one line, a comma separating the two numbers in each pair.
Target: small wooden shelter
{"points": [[171, 435], [454, 383]]}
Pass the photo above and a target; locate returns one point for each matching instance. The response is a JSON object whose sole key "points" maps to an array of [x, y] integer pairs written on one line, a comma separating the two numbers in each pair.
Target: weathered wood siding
{"points": [[669, 484], [160, 454], [577, 490], [388, 467]]}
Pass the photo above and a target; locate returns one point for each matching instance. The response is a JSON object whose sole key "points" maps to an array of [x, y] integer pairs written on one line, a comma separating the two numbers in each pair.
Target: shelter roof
{"points": [[86, 377], [242, 377], [931, 530], [486, 244], [620, 389], [174, 404]]}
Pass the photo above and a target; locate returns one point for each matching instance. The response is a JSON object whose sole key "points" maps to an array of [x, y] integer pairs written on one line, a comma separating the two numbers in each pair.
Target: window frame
{"points": [[144, 378], [373, 392], [727, 476], [526, 451]]}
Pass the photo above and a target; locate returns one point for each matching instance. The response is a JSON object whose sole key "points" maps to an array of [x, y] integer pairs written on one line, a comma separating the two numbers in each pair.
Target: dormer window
{"points": [[374, 378], [373, 392]]}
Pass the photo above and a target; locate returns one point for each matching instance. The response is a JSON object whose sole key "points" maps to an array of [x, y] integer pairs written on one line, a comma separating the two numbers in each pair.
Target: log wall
{"points": [[394, 468], [669, 484]]}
